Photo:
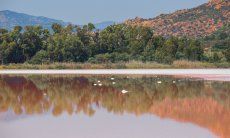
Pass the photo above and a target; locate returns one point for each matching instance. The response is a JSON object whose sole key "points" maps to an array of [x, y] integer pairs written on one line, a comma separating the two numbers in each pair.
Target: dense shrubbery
{"points": [[83, 44], [219, 43]]}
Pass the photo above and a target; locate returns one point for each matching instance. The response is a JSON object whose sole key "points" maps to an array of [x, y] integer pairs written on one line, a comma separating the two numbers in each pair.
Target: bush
{"points": [[101, 58], [40, 58], [124, 57], [216, 57], [180, 55], [227, 54]]}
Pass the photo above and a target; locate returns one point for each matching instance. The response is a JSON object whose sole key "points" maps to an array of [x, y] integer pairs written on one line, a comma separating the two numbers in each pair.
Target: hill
{"points": [[9, 19], [196, 22]]}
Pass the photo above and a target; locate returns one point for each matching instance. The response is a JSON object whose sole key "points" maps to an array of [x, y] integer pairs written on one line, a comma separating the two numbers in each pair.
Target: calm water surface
{"points": [[105, 106]]}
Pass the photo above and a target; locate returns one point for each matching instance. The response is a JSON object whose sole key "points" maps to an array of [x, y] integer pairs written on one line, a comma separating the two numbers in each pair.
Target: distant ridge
{"points": [[196, 22], [103, 25], [9, 19]]}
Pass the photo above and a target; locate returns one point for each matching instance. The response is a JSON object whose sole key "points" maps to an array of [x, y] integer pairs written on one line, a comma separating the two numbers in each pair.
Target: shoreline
{"points": [[121, 71], [207, 74]]}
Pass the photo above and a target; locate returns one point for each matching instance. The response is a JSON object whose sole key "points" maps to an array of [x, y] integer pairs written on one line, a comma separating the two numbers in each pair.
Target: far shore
{"points": [[207, 74], [178, 64]]}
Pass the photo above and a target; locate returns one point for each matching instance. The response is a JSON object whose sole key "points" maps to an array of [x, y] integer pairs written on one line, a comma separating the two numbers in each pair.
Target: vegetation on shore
{"points": [[122, 65], [117, 46]]}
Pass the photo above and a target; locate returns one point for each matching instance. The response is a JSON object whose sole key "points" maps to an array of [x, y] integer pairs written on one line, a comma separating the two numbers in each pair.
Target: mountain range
{"points": [[9, 19], [196, 22]]}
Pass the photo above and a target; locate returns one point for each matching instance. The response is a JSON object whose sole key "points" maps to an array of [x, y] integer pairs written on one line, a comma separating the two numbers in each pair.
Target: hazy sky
{"points": [[84, 11]]}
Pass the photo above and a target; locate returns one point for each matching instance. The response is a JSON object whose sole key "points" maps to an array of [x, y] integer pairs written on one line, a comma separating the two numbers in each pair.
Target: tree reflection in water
{"points": [[204, 103]]}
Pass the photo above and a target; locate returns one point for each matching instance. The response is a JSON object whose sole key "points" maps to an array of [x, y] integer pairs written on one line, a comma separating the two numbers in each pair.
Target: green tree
{"points": [[40, 57], [57, 28], [33, 39], [194, 51], [91, 27], [227, 54]]}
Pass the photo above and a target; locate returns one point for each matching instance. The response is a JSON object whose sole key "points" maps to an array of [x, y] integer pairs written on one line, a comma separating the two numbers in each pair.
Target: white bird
{"points": [[114, 83], [124, 91], [112, 78], [98, 81], [95, 84], [174, 81], [100, 84], [159, 82]]}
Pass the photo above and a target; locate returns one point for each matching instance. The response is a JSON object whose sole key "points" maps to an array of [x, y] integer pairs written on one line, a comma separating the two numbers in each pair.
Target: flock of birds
{"points": [[99, 83]]}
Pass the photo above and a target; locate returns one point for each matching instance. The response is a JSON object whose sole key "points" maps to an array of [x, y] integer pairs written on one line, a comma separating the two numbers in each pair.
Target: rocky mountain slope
{"points": [[196, 22]]}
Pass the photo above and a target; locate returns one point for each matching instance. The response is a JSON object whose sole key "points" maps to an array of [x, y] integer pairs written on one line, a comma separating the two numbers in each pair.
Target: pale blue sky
{"points": [[84, 11]]}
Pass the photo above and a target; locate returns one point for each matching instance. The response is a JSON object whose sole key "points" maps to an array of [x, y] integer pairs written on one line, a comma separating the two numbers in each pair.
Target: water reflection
{"points": [[204, 103]]}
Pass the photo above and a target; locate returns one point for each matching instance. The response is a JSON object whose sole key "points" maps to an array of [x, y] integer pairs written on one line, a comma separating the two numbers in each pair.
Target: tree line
{"points": [[116, 43]]}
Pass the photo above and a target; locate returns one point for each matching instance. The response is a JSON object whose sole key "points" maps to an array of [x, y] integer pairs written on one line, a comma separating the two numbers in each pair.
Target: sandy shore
{"points": [[208, 74]]}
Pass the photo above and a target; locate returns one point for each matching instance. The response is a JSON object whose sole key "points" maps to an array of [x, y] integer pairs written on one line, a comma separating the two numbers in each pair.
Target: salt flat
{"points": [[209, 74]]}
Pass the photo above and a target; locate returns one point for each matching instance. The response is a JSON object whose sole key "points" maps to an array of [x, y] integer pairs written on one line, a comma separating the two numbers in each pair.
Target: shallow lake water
{"points": [[113, 106]]}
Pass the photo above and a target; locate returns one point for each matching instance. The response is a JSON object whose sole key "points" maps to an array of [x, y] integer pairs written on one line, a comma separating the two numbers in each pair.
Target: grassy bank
{"points": [[126, 65]]}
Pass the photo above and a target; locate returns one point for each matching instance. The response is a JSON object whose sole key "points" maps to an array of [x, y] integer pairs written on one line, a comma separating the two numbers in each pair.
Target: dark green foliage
{"points": [[227, 54], [116, 43], [215, 58], [57, 28], [101, 58], [194, 51], [3, 31], [219, 42], [40, 57]]}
